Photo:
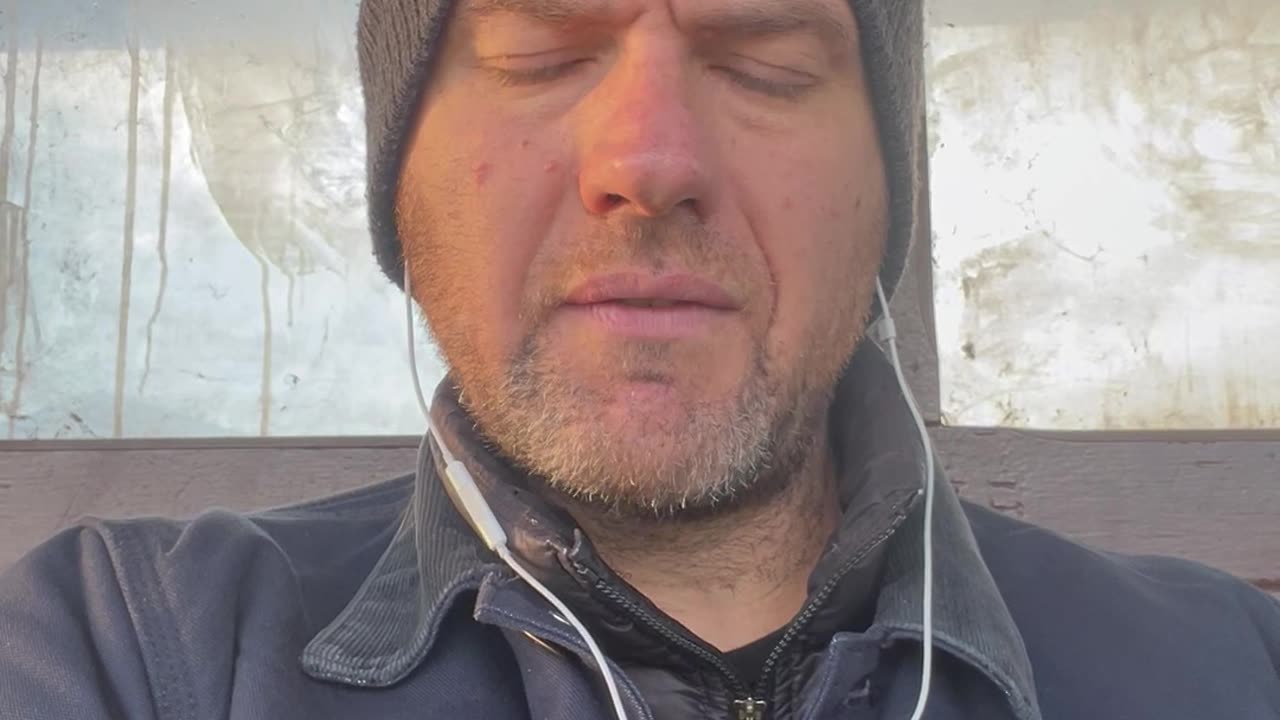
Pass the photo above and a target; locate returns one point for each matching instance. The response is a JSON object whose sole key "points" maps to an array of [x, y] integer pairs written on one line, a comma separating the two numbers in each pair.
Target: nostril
{"points": [[613, 200]]}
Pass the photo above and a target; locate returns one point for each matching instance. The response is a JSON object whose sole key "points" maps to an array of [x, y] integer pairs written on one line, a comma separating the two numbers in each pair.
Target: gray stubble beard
{"points": [[741, 456]]}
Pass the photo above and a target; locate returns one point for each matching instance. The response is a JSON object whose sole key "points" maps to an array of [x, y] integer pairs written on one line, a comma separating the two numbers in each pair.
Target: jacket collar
{"points": [[389, 626], [971, 620]]}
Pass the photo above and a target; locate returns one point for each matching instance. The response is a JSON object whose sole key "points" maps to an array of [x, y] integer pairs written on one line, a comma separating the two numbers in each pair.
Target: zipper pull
{"points": [[749, 709]]}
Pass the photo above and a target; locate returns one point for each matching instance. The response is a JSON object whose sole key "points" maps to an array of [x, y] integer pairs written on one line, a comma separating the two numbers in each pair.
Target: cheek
{"points": [[491, 196], [821, 235]]}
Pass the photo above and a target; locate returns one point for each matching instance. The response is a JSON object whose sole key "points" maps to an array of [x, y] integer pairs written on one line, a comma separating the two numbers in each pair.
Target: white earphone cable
{"points": [[412, 343], [889, 333], [473, 503]]}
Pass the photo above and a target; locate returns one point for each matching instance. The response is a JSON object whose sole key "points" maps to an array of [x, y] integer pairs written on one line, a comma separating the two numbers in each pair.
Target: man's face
{"points": [[645, 234]]}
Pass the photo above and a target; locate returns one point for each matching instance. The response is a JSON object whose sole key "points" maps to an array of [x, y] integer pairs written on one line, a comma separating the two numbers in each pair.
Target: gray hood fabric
{"points": [[397, 40]]}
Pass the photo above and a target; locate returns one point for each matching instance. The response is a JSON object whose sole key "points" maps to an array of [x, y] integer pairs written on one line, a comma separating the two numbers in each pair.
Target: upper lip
{"points": [[672, 287]]}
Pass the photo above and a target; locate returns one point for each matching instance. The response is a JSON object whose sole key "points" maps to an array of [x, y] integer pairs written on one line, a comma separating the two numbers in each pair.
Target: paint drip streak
{"points": [[130, 210], [166, 183], [8, 244], [15, 402], [264, 425]]}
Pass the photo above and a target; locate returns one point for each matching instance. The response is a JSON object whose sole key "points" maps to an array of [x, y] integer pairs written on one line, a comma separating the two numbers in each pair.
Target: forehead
{"points": [[832, 20]]}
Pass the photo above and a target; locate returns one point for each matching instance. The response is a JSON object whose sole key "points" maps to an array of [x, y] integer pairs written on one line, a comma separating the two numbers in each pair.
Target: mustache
{"points": [[654, 241]]}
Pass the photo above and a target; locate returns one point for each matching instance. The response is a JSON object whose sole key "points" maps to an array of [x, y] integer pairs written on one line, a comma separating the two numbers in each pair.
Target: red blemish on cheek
{"points": [[524, 143], [482, 173], [551, 167], [786, 203]]}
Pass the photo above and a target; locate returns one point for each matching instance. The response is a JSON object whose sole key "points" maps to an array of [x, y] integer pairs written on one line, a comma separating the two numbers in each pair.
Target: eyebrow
{"points": [[547, 11], [740, 18], [761, 18]]}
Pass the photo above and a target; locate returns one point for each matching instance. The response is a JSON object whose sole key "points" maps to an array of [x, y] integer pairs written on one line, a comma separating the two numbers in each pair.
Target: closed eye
{"points": [[522, 76], [785, 89]]}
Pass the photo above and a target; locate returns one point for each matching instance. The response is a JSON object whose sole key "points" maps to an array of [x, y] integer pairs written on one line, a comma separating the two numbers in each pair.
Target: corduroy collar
{"points": [[388, 628]]}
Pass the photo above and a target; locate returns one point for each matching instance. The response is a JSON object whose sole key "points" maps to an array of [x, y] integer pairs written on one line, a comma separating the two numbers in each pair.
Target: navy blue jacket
{"points": [[380, 603]]}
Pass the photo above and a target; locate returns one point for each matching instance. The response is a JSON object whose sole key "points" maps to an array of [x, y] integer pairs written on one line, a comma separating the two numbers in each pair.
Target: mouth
{"points": [[649, 302], [637, 289], [648, 307]]}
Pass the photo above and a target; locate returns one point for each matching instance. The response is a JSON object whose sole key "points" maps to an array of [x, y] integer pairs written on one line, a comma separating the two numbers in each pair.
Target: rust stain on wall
{"points": [[1186, 103], [130, 211]]}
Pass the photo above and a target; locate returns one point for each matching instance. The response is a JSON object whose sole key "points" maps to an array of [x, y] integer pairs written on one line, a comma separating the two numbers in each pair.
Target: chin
{"points": [[642, 431], [652, 451]]}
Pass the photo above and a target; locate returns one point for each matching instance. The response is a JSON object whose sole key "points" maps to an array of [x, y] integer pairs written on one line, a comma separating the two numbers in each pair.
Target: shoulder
{"points": [[1134, 617], [1034, 565], [306, 559], [127, 606], [161, 617], [320, 548], [219, 542], [1019, 553]]}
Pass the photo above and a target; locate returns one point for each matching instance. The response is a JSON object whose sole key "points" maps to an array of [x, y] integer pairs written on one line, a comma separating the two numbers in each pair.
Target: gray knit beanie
{"points": [[397, 39]]}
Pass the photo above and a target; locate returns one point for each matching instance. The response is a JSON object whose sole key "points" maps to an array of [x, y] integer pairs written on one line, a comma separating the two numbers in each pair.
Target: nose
{"points": [[640, 151]]}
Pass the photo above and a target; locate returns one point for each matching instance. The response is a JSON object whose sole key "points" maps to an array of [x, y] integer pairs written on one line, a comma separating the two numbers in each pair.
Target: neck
{"points": [[734, 577]]}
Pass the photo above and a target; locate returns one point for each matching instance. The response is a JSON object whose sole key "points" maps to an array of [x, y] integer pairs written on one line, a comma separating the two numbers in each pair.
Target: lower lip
{"points": [[674, 322]]}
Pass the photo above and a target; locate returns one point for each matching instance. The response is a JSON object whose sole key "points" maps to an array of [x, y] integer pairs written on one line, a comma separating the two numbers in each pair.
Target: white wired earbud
{"points": [[470, 501], [888, 333]]}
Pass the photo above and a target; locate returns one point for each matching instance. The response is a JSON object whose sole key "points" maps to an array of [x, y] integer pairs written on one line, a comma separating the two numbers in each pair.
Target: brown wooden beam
{"points": [[1202, 496]]}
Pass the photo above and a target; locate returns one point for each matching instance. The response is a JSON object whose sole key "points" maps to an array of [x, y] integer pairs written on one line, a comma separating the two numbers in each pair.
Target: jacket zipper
{"points": [[749, 703], [768, 681], [672, 635]]}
